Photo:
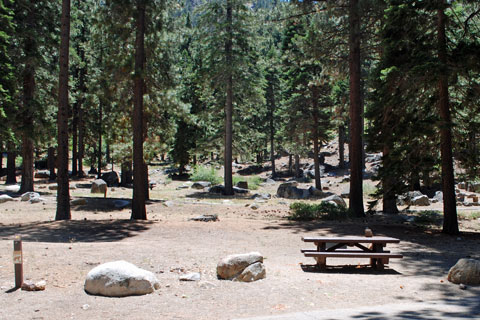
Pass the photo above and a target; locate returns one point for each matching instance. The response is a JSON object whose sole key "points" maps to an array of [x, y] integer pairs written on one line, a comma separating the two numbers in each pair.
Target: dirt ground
{"points": [[169, 244]]}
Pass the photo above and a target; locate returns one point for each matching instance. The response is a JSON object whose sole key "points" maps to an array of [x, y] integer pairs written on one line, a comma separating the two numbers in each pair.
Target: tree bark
{"points": [[63, 192], [81, 143], [11, 169], [27, 164], [341, 147], [356, 147], [139, 176], [99, 155], [389, 196], [290, 163], [75, 140], [28, 108], [126, 176], [51, 163], [228, 180], [316, 160], [272, 132], [450, 220], [297, 166]]}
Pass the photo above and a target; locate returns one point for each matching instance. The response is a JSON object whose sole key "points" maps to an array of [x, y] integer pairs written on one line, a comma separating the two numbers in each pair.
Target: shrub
{"points": [[428, 217], [301, 211], [201, 173]]}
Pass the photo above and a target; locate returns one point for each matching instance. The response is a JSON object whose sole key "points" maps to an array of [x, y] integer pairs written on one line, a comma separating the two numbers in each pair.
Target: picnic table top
{"points": [[351, 239]]}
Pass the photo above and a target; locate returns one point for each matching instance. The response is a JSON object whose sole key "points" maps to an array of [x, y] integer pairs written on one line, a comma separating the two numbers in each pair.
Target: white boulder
{"points": [[27, 196], [120, 279], [465, 271], [13, 188], [232, 266], [99, 186], [420, 201], [5, 198], [252, 273], [335, 199]]}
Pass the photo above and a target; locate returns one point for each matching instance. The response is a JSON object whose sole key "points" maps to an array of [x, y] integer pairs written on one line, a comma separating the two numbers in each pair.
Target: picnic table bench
{"points": [[365, 247]]}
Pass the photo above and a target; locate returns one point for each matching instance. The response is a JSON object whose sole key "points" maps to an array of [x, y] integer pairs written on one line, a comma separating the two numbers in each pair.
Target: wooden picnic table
{"points": [[364, 247]]}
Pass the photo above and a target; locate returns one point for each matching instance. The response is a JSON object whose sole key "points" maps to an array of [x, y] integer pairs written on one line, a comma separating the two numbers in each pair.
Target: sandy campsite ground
{"points": [[169, 244]]}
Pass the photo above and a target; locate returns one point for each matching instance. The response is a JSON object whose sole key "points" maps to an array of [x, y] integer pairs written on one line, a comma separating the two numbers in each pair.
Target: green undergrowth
{"points": [[428, 217], [469, 215], [201, 173], [253, 182], [300, 211]]}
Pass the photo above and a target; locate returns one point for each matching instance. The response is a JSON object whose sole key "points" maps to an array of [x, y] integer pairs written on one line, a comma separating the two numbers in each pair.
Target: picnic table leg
{"points": [[321, 261], [378, 264]]}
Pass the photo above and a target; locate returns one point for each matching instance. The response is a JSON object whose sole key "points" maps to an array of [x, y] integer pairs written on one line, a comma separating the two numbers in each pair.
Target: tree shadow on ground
{"points": [[76, 230], [103, 204], [18, 195], [448, 308], [218, 196], [106, 204], [348, 269]]}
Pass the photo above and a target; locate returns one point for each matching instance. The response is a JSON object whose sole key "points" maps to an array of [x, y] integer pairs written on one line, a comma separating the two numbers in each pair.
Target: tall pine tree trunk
{"points": [[51, 163], [81, 143], [11, 169], [316, 149], [297, 166], [388, 181], [228, 106], [99, 156], [139, 175], [450, 221], [28, 108], [341, 146], [355, 147], [271, 114], [63, 192], [272, 148], [290, 164], [75, 139], [27, 163]]}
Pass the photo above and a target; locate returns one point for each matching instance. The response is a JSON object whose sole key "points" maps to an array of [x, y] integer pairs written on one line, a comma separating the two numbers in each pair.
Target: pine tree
{"points": [[230, 67], [63, 193], [356, 127]]}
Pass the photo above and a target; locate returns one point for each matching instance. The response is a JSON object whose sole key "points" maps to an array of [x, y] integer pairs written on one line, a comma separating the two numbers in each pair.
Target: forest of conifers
{"points": [[130, 81]]}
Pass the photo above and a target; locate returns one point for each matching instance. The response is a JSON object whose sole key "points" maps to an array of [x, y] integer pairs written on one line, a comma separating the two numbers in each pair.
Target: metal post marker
{"points": [[18, 260]]}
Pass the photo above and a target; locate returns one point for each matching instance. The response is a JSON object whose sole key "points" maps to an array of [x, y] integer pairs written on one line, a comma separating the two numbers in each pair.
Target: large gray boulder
{"points": [[99, 186], [474, 187], [201, 185], [438, 196], [240, 190], [242, 184], [465, 271], [261, 196], [315, 192], [232, 266], [111, 178], [420, 201], [289, 190], [252, 273], [5, 198], [335, 199], [27, 196], [345, 192], [120, 279], [13, 188]]}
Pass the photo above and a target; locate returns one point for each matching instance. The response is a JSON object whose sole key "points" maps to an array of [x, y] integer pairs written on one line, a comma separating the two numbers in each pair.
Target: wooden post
{"points": [[18, 260]]}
